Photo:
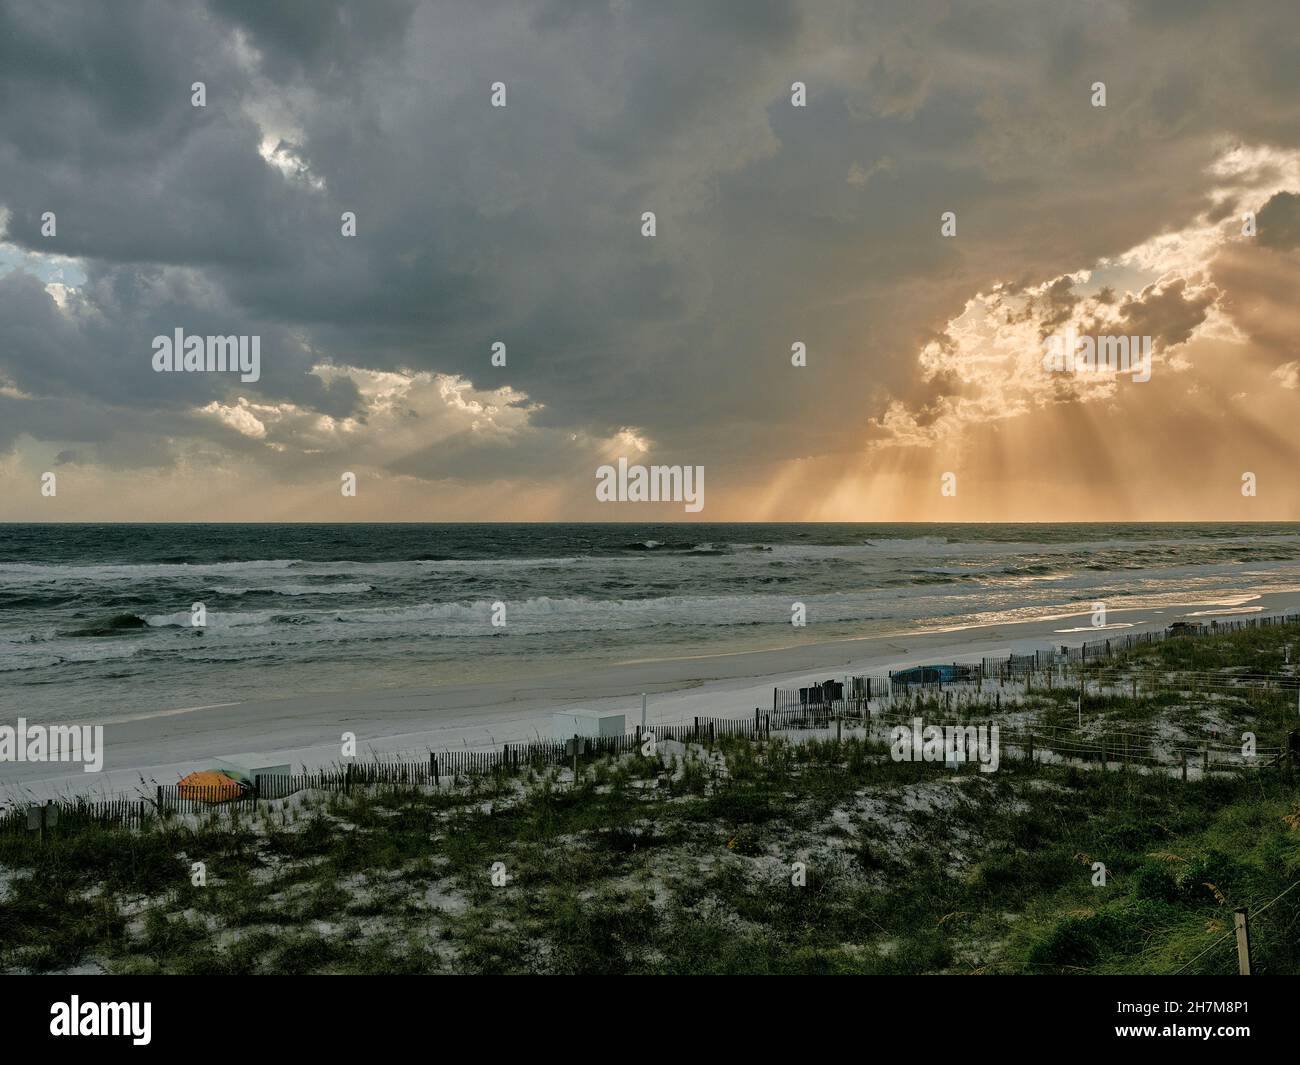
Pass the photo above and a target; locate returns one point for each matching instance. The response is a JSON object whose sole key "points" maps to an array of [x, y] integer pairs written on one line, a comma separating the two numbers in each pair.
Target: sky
{"points": [[949, 196]]}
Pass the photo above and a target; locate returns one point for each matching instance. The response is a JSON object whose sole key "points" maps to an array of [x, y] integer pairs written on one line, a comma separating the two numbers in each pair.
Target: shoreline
{"points": [[158, 747]]}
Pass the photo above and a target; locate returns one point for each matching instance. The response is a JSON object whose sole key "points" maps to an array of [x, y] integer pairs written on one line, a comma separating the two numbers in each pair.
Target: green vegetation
{"points": [[687, 863]]}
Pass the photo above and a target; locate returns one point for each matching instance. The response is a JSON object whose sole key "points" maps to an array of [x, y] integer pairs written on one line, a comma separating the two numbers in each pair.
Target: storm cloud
{"points": [[522, 225]]}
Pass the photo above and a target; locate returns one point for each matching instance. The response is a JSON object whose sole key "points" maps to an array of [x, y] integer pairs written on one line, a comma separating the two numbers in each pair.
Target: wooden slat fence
{"points": [[814, 707]]}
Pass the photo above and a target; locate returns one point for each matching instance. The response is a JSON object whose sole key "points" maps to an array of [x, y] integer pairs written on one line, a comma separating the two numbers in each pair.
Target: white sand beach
{"points": [[161, 746]]}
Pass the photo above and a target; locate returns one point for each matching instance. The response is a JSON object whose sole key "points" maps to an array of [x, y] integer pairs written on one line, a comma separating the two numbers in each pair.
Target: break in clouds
{"points": [[518, 230]]}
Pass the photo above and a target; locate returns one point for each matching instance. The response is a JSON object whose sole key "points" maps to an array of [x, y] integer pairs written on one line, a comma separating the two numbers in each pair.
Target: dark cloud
{"points": [[1278, 222], [1055, 306], [521, 224], [98, 348], [1166, 313], [323, 40]]}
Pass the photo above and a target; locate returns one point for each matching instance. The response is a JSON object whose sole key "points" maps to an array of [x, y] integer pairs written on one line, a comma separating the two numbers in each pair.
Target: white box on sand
{"points": [[249, 767], [589, 724]]}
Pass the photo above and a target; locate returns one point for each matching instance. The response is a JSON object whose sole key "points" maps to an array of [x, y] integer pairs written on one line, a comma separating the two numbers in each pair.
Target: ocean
{"points": [[95, 620]]}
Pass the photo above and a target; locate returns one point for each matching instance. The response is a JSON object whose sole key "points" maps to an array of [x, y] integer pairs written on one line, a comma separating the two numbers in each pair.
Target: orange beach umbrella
{"points": [[209, 786]]}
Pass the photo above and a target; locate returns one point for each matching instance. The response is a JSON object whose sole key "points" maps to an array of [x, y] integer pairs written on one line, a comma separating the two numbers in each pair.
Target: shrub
{"points": [[1152, 882]]}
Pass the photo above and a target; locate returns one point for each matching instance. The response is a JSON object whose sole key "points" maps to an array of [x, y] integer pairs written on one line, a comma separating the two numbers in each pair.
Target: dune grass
{"points": [[744, 857]]}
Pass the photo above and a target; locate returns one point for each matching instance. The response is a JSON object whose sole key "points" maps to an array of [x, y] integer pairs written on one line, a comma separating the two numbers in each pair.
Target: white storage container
{"points": [[589, 724], [248, 767]]}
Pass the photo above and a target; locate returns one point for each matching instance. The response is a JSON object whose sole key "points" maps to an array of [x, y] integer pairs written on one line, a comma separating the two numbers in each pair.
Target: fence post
{"points": [[160, 809], [347, 780], [1243, 942]]}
